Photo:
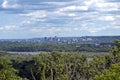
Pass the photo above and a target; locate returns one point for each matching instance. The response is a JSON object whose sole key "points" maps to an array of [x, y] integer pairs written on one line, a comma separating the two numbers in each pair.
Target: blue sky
{"points": [[40, 18]]}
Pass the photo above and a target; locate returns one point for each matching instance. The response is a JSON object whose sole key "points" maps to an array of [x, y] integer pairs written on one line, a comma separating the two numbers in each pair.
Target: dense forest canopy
{"points": [[58, 66], [48, 47]]}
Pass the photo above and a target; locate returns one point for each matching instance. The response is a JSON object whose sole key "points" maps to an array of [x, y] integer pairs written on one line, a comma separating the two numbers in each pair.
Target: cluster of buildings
{"points": [[91, 40], [67, 39]]}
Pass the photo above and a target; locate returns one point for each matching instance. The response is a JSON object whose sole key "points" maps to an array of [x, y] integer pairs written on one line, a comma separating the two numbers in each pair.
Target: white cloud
{"points": [[36, 14], [94, 30], [107, 18], [102, 5], [33, 17], [71, 14], [26, 22], [89, 16], [53, 30], [108, 6], [93, 2], [56, 3], [8, 28], [10, 4], [58, 13], [62, 30], [116, 27], [73, 8]]}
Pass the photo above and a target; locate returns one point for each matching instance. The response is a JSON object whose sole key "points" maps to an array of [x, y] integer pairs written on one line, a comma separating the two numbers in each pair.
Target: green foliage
{"points": [[7, 72], [57, 66], [61, 66], [113, 73], [96, 66], [49, 47]]}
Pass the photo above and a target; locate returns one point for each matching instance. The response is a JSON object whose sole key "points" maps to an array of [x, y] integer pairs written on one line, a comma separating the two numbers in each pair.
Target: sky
{"points": [[62, 18]]}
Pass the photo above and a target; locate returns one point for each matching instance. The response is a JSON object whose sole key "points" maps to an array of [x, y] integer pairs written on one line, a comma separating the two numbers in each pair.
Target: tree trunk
{"points": [[51, 70]]}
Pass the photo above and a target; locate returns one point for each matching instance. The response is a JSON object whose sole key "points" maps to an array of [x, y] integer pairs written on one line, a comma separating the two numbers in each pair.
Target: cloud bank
{"points": [[38, 18]]}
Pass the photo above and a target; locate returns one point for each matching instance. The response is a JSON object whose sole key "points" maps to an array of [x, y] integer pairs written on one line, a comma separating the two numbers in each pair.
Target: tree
{"points": [[112, 60], [113, 73], [7, 72]]}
